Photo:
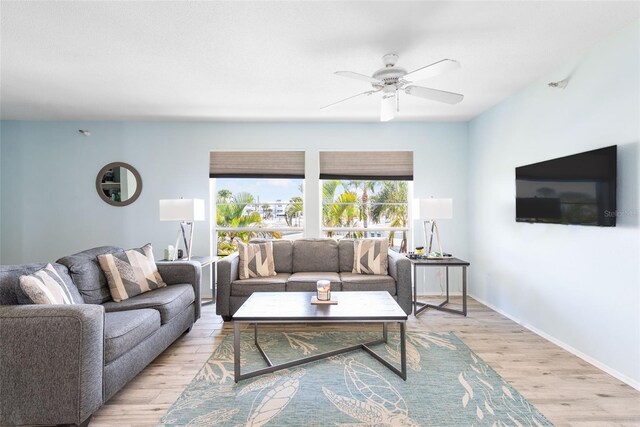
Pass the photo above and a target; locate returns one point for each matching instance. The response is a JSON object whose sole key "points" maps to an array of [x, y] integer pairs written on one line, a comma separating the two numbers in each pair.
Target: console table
{"points": [[439, 262]]}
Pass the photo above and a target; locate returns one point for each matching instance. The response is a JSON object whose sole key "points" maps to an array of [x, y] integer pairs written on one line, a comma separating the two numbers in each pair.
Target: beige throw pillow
{"points": [[256, 260], [46, 287], [130, 273], [370, 256]]}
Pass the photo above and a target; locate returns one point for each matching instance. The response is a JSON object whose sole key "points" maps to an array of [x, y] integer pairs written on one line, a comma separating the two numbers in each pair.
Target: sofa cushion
{"points": [[306, 281], [345, 251], [131, 272], [46, 287], [282, 254], [370, 256], [124, 330], [256, 260], [87, 274], [169, 301], [311, 255], [10, 291], [246, 287], [368, 282]]}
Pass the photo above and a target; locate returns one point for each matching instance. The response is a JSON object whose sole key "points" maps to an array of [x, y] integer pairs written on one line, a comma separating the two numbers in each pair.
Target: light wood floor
{"points": [[566, 389]]}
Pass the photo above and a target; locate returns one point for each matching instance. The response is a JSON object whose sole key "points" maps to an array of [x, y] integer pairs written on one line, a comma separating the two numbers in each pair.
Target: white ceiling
{"points": [[275, 60]]}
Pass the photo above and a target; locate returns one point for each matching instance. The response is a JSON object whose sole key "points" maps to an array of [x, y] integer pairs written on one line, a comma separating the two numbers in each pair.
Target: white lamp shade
{"points": [[182, 210], [434, 208]]}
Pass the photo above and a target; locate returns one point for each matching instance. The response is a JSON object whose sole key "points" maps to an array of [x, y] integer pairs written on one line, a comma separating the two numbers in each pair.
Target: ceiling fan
{"points": [[390, 80]]}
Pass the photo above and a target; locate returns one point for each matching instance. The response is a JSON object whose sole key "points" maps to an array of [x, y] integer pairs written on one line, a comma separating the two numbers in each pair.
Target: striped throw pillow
{"points": [[46, 287], [256, 260], [370, 256], [130, 273]]}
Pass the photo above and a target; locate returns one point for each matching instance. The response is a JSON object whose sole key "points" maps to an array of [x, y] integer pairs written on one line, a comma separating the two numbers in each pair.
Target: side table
{"points": [[205, 261], [444, 262]]}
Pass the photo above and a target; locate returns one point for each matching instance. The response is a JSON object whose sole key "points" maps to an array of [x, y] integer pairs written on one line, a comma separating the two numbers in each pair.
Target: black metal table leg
{"points": [[419, 306]]}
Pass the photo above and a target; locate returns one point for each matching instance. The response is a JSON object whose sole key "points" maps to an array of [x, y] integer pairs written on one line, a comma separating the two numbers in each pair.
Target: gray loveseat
{"points": [[60, 363], [301, 263]]}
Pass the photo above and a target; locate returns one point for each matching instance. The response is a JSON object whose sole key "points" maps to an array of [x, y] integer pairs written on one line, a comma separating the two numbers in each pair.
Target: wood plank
{"points": [[565, 388]]}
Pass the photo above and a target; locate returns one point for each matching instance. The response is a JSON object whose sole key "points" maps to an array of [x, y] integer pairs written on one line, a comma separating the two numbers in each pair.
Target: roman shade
{"points": [[367, 165], [256, 164]]}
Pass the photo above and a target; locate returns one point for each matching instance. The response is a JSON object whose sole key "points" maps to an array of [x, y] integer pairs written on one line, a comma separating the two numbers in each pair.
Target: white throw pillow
{"points": [[46, 287], [370, 256]]}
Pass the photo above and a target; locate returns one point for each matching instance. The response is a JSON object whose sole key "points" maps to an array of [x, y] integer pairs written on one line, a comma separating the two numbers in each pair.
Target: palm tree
{"points": [[343, 212], [293, 210], [391, 202], [328, 195], [365, 186], [224, 195], [329, 190], [267, 211], [231, 213]]}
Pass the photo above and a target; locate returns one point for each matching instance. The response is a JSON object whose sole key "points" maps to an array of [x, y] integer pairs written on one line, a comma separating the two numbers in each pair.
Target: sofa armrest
{"points": [[178, 272], [227, 273], [400, 270], [51, 361]]}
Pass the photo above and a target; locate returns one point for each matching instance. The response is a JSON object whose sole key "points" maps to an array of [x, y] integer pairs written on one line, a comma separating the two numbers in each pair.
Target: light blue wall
{"points": [[577, 285], [50, 207]]}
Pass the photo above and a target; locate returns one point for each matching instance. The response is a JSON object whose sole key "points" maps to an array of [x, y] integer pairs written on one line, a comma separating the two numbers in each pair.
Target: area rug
{"points": [[447, 385]]}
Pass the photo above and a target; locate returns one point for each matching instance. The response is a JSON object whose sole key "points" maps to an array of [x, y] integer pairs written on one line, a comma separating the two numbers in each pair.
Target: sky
{"points": [[268, 190]]}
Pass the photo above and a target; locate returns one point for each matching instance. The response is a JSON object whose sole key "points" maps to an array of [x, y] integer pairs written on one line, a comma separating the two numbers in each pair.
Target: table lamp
{"points": [[186, 211], [428, 211]]}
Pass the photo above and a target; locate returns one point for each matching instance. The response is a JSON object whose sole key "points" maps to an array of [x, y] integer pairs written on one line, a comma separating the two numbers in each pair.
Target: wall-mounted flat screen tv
{"points": [[578, 189]]}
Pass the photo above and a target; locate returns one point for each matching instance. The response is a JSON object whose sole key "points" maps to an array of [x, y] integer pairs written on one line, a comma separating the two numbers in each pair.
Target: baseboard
{"points": [[438, 294], [625, 379]]}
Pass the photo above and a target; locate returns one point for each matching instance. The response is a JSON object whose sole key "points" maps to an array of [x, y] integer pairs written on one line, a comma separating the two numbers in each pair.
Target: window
{"points": [[247, 208], [368, 197], [355, 208], [257, 195]]}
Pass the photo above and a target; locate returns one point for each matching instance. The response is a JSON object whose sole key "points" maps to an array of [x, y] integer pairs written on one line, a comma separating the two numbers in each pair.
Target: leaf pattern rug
{"points": [[447, 385]]}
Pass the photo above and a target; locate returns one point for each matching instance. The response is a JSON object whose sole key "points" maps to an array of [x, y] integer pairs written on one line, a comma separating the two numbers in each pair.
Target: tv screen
{"points": [[578, 189]]}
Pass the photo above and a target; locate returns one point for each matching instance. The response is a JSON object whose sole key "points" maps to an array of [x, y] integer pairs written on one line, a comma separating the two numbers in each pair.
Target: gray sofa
{"points": [[60, 363], [300, 264]]}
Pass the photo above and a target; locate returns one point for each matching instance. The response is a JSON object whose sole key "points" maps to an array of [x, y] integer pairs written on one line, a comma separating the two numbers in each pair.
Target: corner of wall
{"points": [[549, 275]]}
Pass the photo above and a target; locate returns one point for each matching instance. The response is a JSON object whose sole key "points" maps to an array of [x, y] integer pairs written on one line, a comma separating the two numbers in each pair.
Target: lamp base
{"points": [[428, 237], [187, 244]]}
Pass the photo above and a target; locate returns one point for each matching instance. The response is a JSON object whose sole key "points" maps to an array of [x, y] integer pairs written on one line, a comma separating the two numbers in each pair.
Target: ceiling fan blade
{"points": [[357, 76], [369, 92], [434, 94], [432, 70], [388, 107]]}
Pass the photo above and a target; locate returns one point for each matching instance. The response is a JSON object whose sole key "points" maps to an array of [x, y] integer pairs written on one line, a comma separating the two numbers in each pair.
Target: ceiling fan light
{"points": [[387, 107]]}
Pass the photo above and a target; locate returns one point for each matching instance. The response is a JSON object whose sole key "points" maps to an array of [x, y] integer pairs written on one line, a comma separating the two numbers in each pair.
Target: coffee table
{"points": [[295, 307]]}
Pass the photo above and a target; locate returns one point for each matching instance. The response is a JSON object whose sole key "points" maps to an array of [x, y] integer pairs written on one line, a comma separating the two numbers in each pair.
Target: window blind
{"points": [[256, 164], [367, 165]]}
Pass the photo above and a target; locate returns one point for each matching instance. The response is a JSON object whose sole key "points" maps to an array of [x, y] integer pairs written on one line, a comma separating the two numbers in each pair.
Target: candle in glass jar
{"points": [[324, 290]]}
